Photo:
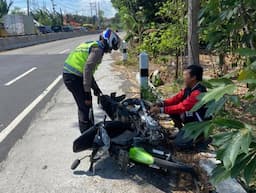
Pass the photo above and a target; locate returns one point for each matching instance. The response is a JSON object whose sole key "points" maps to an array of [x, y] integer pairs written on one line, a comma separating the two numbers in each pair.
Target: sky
{"points": [[81, 7]]}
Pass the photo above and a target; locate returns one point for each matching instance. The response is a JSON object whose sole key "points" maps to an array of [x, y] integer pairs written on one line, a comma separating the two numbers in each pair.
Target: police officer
{"points": [[78, 72]]}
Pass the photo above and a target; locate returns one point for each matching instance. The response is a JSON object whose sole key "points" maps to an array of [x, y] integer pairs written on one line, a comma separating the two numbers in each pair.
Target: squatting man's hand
{"points": [[155, 110]]}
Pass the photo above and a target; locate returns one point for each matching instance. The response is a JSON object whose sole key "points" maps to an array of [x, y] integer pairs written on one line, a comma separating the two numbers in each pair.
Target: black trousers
{"points": [[183, 143], [75, 85]]}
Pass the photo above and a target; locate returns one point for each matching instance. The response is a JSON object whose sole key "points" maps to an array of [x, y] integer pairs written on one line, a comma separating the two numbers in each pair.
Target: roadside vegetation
{"points": [[47, 19], [228, 39]]}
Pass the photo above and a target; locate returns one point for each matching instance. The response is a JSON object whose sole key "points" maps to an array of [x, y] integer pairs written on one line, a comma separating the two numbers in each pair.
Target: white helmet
{"points": [[111, 40]]}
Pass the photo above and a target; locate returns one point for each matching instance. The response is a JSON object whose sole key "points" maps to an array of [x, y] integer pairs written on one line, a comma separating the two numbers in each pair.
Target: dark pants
{"points": [[183, 143], [75, 85]]}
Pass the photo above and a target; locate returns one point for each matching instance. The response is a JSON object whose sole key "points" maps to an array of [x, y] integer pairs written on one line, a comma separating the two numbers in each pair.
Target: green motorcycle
{"points": [[133, 136]]}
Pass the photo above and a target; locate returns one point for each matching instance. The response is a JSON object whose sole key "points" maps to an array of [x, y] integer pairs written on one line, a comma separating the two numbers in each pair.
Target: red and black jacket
{"points": [[183, 102]]}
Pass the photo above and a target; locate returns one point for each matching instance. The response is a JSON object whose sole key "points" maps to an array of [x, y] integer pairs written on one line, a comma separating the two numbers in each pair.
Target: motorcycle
{"points": [[132, 136]]}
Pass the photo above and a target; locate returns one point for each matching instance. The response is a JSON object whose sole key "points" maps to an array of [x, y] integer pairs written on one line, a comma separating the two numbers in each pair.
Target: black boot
{"points": [[84, 126], [83, 118]]}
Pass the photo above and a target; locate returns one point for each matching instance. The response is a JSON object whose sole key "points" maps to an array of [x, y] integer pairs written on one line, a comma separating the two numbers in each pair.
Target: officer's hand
{"points": [[96, 93], [155, 110], [88, 99], [88, 102]]}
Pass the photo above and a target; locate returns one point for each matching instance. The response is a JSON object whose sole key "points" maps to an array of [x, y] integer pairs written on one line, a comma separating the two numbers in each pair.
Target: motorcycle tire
{"points": [[176, 166]]}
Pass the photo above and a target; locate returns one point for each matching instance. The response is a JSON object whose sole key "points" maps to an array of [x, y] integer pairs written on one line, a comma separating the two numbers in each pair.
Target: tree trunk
{"points": [[193, 46], [177, 66]]}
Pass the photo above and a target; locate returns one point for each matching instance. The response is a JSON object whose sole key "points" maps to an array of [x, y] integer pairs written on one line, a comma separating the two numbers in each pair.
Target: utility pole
{"points": [[93, 7], [61, 15], [28, 7], [193, 45], [53, 6], [99, 15]]}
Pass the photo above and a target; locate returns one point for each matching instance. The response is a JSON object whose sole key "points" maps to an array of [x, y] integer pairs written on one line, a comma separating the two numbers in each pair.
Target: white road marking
{"points": [[5, 132], [21, 76], [64, 51]]}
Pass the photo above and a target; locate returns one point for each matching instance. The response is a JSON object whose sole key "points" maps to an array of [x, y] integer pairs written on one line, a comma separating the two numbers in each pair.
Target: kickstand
{"points": [[92, 168], [92, 160]]}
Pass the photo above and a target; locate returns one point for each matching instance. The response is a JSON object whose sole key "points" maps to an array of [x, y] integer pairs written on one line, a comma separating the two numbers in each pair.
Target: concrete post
{"points": [[124, 50], [143, 71]]}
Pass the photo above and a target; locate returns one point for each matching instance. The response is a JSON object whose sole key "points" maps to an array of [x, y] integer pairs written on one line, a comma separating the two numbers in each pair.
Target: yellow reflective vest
{"points": [[76, 60]]}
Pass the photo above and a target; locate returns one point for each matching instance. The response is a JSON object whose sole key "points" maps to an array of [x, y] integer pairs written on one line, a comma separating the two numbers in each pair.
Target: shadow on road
{"points": [[140, 174]]}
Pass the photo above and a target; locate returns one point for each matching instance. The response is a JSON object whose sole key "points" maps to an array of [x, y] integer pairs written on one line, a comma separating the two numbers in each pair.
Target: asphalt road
{"points": [[24, 75]]}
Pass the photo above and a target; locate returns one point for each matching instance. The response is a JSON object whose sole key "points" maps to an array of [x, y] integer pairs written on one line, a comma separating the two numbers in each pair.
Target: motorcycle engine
{"points": [[153, 130]]}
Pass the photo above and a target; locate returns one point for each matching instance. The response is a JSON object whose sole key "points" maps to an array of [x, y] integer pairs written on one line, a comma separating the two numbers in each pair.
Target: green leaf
{"points": [[239, 143], [232, 152], [231, 74], [246, 52], [195, 129], [249, 81], [247, 74], [219, 174], [247, 139], [214, 107], [250, 170], [250, 96], [253, 65], [215, 94], [241, 163], [235, 100], [229, 123], [220, 82], [221, 138]]}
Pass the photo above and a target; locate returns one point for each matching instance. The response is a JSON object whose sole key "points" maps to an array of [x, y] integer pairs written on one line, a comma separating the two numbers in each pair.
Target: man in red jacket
{"points": [[179, 106]]}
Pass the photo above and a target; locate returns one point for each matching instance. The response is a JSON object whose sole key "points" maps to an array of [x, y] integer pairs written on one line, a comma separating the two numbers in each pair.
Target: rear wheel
{"points": [[179, 167], [176, 166]]}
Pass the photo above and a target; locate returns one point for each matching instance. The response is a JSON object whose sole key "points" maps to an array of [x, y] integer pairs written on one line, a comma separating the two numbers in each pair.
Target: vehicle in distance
{"points": [[56, 28], [44, 29], [67, 29]]}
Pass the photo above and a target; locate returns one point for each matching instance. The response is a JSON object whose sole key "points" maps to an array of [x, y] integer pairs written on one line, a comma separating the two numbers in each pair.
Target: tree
{"points": [[116, 22], [228, 27], [43, 16], [136, 16], [17, 11], [5, 7], [193, 46], [169, 36]]}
